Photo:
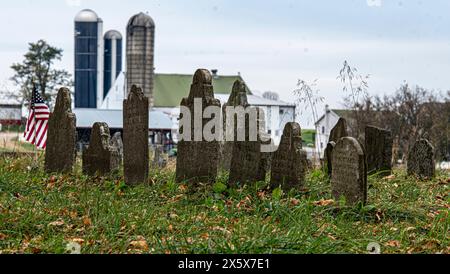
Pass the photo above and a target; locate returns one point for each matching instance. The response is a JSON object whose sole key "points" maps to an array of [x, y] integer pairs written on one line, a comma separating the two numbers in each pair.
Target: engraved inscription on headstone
{"points": [[421, 159], [338, 131], [248, 162], [289, 162], [135, 137], [60, 151], [349, 175]]}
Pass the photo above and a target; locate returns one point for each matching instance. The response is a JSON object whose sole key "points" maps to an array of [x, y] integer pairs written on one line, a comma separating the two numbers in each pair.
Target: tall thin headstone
{"points": [[248, 162], [421, 159], [135, 137], [338, 131], [289, 162], [60, 150], [100, 157], [198, 158], [238, 97], [349, 175], [378, 146]]}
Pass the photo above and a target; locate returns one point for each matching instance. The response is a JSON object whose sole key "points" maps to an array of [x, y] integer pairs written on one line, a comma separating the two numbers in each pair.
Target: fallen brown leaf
{"points": [[56, 223], [87, 221], [393, 243], [323, 202], [140, 244], [79, 241]]}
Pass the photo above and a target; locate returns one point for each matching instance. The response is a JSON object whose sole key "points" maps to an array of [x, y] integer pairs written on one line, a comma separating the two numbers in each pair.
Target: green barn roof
{"points": [[169, 89]]}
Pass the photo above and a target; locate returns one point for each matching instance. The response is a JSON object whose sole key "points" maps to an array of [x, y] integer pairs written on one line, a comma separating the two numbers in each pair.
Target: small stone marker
{"points": [[60, 151], [421, 159], [158, 157], [135, 137], [289, 162], [349, 175], [378, 148], [100, 157], [249, 163], [117, 143], [338, 131], [197, 161]]}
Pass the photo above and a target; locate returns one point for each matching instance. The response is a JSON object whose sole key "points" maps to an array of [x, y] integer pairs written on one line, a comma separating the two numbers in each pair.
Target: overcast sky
{"points": [[271, 43]]}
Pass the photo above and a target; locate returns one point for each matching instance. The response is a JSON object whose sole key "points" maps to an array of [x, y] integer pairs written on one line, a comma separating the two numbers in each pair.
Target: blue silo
{"points": [[113, 59], [88, 59]]}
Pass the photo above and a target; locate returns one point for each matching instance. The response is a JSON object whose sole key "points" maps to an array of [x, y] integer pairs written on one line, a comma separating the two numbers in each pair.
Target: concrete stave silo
{"points": [[140, 54]]}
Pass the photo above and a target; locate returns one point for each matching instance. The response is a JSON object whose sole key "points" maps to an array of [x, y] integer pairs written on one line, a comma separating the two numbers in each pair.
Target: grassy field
{"points": [[42, 213], [308, 137]]}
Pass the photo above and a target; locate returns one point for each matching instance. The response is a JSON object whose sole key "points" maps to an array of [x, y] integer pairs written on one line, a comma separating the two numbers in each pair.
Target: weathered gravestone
{"points": [[135, 137], [328, 152], [249, 163], [338, 131], [60, 151], [198, 158], [349, 175], [117, 143], [289, 162], [421, 159], [100, 157], [378, 149], [238, 98], [158, 157]]}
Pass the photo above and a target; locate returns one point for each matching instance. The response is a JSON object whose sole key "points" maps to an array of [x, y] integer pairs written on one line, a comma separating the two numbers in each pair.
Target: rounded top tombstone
{"points": [[202, 76]]}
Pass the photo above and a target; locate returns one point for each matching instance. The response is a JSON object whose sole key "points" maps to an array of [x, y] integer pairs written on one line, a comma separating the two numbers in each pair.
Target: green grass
{"points": [[42, 213]]}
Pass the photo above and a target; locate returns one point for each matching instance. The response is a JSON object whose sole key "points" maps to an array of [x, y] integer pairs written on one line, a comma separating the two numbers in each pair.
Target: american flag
{"points": [[37, 123]]}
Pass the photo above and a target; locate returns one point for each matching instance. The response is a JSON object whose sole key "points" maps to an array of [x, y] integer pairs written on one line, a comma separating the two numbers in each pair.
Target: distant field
{"points": [[308, 137]]}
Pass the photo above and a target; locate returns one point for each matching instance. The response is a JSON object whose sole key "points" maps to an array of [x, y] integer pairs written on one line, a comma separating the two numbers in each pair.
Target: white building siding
{"points": [[324, 127]]}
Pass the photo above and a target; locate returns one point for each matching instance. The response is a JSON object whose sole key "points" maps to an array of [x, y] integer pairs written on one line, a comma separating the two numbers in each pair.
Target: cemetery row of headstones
{"points": [[347, 160]]}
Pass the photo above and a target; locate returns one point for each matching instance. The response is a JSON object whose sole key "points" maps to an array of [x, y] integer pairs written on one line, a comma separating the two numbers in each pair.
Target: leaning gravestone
{"points": [[238, 97], [197, 158], [349, 175], [116, 143], [100, 157], [289, 162], [249, 162], [421, 159], [378, 146], [135, 137], [338, 131], [60, 150]]}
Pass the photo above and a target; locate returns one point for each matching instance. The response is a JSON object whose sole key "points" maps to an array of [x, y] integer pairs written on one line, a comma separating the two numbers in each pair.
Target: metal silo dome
{"points": [[86, 15], [141, 20], [113, 34]]}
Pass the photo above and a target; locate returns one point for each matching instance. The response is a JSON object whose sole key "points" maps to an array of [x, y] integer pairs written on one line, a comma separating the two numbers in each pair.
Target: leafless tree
{"points": [[307, 97]]}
